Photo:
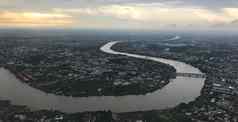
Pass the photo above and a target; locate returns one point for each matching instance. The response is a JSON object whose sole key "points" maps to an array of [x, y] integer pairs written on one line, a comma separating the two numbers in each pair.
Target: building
{"points": [[223, 89]]}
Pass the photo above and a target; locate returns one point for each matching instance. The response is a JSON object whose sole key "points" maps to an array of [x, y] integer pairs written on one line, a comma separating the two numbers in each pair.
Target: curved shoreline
{"points": [[179, 90], [179, 66]]}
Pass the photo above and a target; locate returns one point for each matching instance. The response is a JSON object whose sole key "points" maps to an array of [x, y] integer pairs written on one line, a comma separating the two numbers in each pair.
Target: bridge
{"points": [[191, 75]]}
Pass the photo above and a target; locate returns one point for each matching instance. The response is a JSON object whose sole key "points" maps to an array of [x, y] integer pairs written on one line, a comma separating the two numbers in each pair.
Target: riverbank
{"points": [[219, 63], [137, 90], [68, 68], [100, 116], [156, 77], [169, 96], [13, 113]]}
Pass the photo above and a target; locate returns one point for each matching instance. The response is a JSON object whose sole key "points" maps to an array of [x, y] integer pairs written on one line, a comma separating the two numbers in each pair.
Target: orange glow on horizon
{"points": [[34, 19]]}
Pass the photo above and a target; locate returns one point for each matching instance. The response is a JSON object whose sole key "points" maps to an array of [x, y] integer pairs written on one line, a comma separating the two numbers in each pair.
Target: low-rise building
{"points": [[223, 89]]}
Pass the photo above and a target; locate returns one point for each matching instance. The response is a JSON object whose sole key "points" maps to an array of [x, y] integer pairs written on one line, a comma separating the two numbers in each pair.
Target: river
{"points": [[181, 89]]}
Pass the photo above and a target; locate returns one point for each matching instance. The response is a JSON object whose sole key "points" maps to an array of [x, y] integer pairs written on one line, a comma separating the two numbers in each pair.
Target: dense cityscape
{"points": [[217, 57], [35, 61], [71, 68], [118, 60]]}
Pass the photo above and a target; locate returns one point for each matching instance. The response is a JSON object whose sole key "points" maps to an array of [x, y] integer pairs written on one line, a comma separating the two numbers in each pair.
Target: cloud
{"points": [[33, 19], [131, 13], [223, 17], [47, 4], [156, 15], [138, 12], [231, 12], [212, 17]]}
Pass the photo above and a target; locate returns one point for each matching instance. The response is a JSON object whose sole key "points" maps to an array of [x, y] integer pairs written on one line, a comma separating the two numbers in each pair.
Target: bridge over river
{"points": [[191, 75]]}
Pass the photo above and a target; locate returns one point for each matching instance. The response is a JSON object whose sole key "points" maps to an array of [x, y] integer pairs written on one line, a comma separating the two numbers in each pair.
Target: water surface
{"points": [[179, 90]]}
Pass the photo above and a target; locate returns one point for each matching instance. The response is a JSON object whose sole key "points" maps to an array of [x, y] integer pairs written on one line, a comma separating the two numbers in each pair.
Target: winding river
{"points": [[181, 89]]}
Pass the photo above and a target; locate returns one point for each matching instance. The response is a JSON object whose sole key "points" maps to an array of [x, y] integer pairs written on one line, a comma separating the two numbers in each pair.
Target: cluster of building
{"points": [[71, 69], [218, 101], [17, 113]]}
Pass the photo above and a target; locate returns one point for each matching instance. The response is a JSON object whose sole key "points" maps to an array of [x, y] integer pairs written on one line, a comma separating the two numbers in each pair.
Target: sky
{"points": [[120, 14]]}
